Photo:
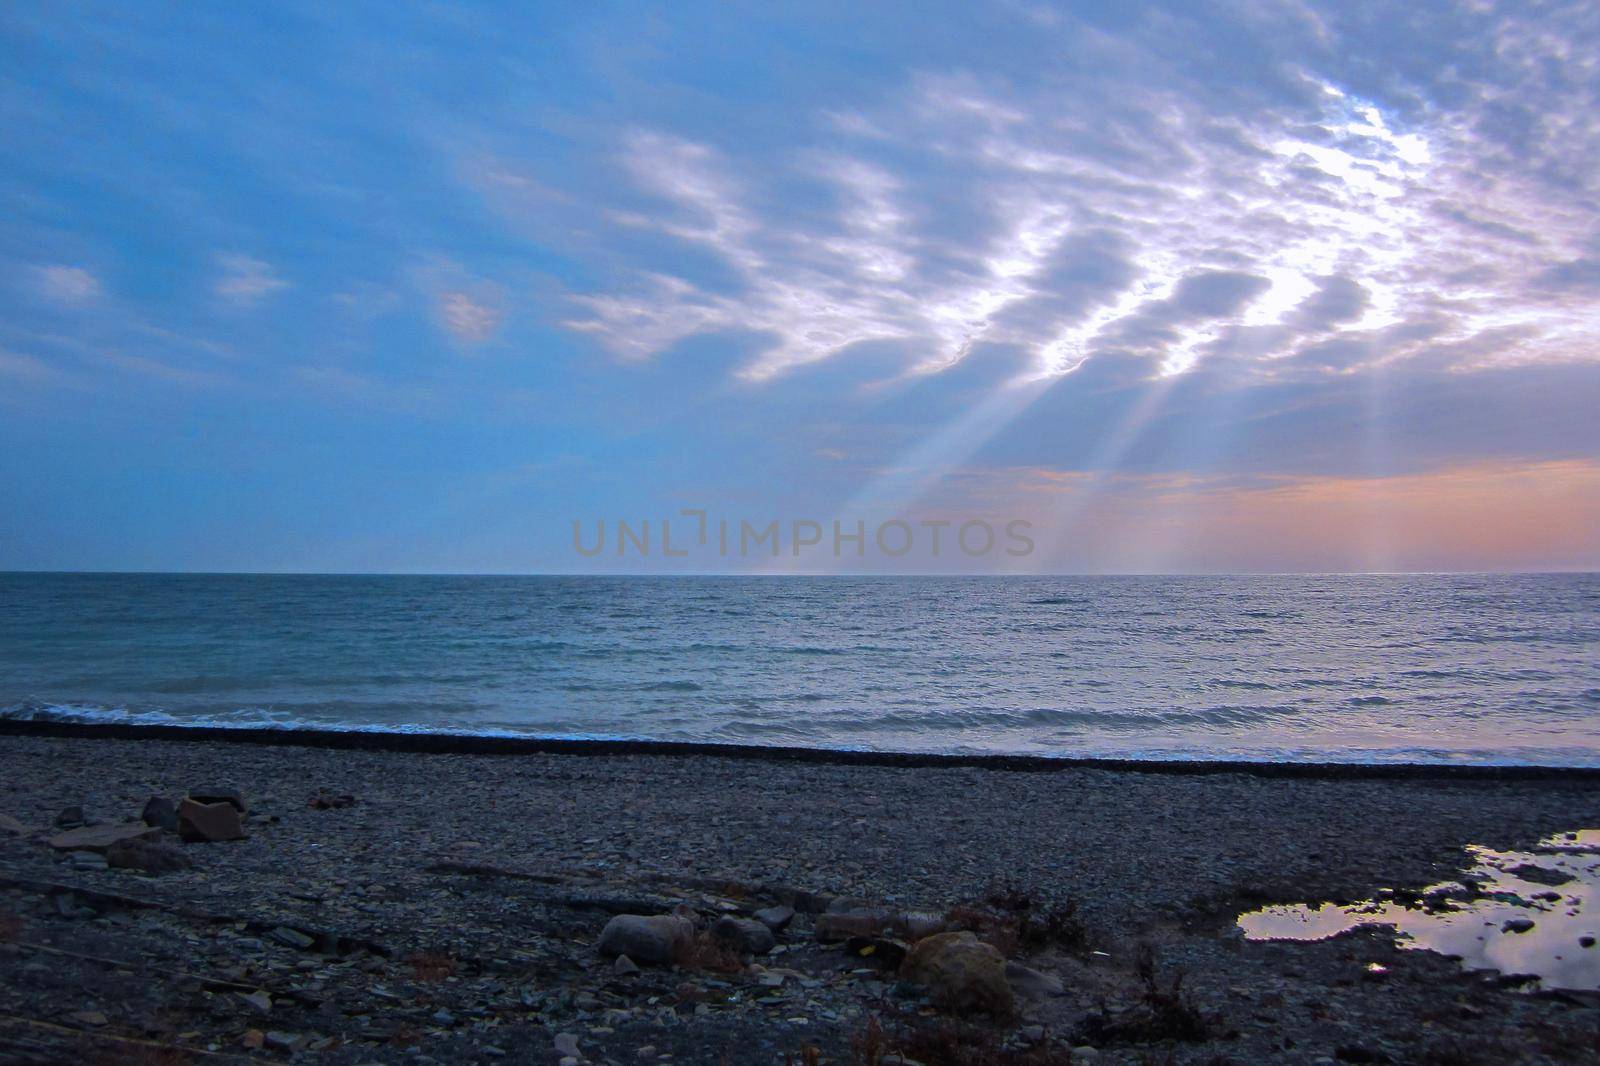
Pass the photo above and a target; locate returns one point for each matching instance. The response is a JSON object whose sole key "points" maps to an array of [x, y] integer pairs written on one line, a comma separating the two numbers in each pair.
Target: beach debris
{"points": [[963, 974], [327, 800], [98, 838], [775, 918], [903, 925], [886, 952], [744, 935], [147, 856], [654, 939], [161, 813], [71, 818], [219, 794], [208, 822]]}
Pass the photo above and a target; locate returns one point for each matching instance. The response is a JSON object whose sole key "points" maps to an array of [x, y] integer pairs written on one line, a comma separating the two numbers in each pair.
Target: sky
{"points": [[1165, 287]]}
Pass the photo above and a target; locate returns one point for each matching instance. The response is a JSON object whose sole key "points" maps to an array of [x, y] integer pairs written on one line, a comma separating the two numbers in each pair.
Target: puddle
{"points": [[1534, 913]]}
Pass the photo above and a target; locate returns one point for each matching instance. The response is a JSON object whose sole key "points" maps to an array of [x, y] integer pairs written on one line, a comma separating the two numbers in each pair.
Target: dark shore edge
{"points": [[470, 744]]}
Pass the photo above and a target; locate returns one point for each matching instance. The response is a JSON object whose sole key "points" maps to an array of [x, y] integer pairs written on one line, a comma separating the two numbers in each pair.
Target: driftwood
{"points": [[19, 1050], [255, 925]]}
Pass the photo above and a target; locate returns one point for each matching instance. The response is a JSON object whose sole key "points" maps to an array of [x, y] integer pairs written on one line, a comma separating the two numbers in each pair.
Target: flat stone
{"points": [[280, 1041], [257, 1001], [219, 794], [567, 1044], [11, 827], [161, 813], [294, 938], [208, 822], [654, 939], [100, 837], [775, 918], [624, 966], [1031, 982]]}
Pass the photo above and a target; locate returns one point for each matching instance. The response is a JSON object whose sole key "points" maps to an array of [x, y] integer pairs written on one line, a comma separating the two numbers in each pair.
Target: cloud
{"points": [[1148, 210], [470, 319], [244, 281], [68, 284]]}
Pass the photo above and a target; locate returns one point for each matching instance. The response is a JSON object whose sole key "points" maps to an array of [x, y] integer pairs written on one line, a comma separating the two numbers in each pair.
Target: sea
{"points": [[1424, 668]]}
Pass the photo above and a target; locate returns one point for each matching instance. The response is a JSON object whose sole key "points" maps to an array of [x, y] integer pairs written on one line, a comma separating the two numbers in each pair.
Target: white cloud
{"points": [[245, 280], [472, 319], [962, 215], [68, 284]]}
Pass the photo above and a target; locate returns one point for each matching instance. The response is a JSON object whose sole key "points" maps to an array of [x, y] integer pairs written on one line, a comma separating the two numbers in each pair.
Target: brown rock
{"points": [[208, 822], [148, 856], [964, 974], [219, 794], [101, 837]]}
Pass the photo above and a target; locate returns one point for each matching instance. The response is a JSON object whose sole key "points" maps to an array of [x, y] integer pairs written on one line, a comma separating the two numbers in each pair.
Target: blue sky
{"points": [[1268, 286]]}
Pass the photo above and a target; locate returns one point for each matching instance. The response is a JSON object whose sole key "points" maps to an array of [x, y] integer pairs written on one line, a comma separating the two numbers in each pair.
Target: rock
{"points": [[253, 1039], [646, 1052], [148, 856], [775, 918], [624, 966], [963, 974], [566, 1044], [1517, 925], [11, 827], [443, 1018], [100, 837], [651, 939], [87, 860], [257, 1001], [293, 938], [1031, 982], [71, 818], [1586, 941], [208, 822], [1031, 1034], [217, 794], [325, 800], [743, 935], [279, 1041], [161, 813]]}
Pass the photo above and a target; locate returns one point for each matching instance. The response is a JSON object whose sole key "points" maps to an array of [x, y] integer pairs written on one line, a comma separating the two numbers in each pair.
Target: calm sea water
{"points": [[1392, 668]]}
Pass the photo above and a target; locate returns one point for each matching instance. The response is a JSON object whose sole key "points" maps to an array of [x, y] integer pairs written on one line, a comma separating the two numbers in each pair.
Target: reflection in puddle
{"points": [[1518, 912]]}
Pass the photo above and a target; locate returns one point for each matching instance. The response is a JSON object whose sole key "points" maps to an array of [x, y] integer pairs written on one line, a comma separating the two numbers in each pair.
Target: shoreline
{"points": [[388, 904], [488, 744]]}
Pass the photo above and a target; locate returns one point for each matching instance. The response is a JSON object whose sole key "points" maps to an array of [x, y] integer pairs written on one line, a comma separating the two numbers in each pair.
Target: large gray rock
{"points": [[743, 935], [655, 939]]}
